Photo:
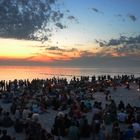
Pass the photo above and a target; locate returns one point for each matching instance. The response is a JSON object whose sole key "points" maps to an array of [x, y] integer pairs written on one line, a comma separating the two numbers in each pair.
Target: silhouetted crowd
{"points": [[74, 101]]}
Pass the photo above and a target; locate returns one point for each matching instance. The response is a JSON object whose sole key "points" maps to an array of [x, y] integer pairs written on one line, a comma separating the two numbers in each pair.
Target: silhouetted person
{"points": [[5, 136]]}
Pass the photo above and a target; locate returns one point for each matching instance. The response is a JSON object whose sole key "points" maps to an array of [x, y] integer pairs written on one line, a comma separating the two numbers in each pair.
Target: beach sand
{"points": [[131, 96]]}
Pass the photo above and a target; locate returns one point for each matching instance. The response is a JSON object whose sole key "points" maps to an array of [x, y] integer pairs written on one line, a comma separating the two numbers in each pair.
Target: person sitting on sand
{"points": [[121, 105], [129, 133], [84, 127], [73, 132], [122, 116], [96, 109], [45, 135], [137, 136], [59, 125], [136, 126], [95, 129], [5, 136], [18, 126], [7, 121], [115, 131]]}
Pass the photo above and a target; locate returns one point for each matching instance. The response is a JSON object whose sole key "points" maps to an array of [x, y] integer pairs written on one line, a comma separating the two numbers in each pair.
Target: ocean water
{"points": [[27, 72]]}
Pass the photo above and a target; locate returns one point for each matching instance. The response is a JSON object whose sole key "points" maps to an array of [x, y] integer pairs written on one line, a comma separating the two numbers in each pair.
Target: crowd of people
{"points": [[73, 100]]}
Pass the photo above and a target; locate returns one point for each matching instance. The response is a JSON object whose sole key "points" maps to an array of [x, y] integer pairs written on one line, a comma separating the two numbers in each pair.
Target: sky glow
{"points": [[69, 32]]}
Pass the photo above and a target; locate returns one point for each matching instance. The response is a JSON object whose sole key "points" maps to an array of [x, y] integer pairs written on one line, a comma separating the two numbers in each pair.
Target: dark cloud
{"points": [[25, 19], [101, 42], [53, 48], [120, 17], [123, 44], [86, 61], [56, 48], [56, 15], [128, 49], [17, 62], [99, 61], [71, 50], [132, 17], [123, 40], [73, 18], [96, 10], [86, 53], [59, 25]]}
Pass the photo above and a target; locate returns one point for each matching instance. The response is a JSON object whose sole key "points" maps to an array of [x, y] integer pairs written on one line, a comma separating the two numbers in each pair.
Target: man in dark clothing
{"points": [[5, 136]]}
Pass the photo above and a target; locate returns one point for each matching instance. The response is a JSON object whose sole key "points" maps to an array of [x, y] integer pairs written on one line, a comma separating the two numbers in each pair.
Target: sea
{"points": [[33, 72]]}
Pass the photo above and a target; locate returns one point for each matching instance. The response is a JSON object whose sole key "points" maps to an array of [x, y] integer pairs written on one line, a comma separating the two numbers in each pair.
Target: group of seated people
{"points": [[31, 99]]}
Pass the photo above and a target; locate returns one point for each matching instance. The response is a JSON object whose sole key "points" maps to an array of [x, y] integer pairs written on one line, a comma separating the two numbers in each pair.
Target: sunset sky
{"points": [[70, 32]]}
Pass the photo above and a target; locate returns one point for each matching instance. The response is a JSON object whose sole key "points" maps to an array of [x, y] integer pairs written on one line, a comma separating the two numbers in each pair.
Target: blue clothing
{"points": [[73, 133], [129, 134]]}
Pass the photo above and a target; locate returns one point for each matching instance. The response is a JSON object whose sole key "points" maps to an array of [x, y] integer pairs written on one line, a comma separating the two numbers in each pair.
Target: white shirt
{"points": [[122, 116], [136, 126]]}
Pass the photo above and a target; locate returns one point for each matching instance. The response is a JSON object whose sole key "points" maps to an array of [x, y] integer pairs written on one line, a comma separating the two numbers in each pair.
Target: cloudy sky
{"points": [[70, 32]]}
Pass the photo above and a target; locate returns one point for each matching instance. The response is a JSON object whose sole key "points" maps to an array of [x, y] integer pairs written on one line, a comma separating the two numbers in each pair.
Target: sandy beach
{"points": [[46, 119]]}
